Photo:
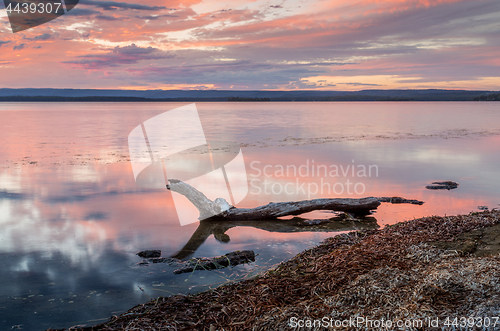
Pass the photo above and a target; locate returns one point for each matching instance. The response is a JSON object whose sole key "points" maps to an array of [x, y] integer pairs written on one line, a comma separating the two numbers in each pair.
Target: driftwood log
{"points": [[220, 209], [218, 216]]}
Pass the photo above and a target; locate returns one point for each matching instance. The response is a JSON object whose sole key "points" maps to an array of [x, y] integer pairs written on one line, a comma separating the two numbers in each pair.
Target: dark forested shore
{"points": [[89, 95]]}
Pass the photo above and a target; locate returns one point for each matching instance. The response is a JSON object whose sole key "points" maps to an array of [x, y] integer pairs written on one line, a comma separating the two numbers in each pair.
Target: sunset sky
{"points": [[259, 44]]}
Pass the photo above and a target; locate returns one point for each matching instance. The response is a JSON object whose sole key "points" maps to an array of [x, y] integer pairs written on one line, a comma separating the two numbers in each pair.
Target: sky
{"points": [[259, 44]]}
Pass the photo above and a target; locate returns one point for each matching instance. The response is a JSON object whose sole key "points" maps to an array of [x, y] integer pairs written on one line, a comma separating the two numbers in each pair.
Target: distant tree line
{"points": [[247, 99], [351, 97], [488, 97], [21, 98], [440, 96]]}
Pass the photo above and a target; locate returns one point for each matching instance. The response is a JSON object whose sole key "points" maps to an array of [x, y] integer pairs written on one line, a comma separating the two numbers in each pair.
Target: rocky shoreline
{"points": [[438, 269]]}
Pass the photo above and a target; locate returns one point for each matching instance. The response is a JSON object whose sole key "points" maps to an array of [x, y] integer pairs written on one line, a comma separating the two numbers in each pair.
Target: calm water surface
{"points": [[72, 217]]}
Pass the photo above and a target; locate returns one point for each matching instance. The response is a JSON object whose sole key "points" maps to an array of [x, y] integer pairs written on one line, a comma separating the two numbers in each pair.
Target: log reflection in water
{"points": [[296, 224]]}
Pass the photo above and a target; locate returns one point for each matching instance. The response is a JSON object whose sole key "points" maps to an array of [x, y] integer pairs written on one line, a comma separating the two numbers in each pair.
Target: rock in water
{"points": [[168, 260], [149, 253], [226, 260], [396, 200], [447, 185]]}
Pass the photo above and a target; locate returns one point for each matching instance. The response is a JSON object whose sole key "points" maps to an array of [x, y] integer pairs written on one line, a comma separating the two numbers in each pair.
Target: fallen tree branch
{"points": [[220, 209], [205, 206]]}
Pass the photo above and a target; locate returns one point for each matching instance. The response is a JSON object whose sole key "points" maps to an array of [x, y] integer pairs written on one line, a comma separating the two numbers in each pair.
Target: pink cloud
{"points": [[123, 43]]}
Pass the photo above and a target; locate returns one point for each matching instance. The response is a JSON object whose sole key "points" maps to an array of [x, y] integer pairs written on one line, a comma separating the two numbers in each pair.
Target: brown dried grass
{"points": [[388, 273]]}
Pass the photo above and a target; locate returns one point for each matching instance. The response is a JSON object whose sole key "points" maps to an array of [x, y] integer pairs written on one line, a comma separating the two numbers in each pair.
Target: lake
{"points": [[72, 216]]}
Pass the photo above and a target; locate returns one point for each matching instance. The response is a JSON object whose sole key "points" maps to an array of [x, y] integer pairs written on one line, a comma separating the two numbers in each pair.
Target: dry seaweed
{"points": [[390, 273]]}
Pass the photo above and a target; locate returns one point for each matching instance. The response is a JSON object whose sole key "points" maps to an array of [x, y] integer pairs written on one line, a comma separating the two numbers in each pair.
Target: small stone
{"points": [[446, 185], [149, 253], [315, 222], [226, 260], [162, 260]]}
